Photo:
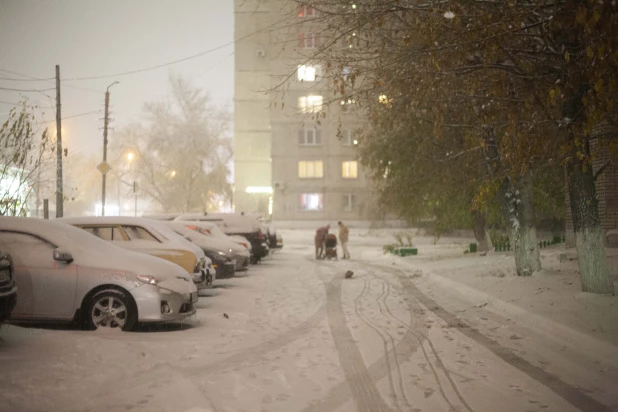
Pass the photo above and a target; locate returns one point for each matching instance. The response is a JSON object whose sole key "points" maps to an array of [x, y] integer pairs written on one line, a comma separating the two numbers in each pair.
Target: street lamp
{"points": [[104, 167], [173, 173], [130, 157]]}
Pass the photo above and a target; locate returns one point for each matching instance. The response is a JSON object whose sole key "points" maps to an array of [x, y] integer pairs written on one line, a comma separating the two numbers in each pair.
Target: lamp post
{"points": [[104, 166]]}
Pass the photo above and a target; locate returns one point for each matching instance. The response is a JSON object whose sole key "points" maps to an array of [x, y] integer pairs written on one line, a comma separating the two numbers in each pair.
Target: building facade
{"points": [[295, 151]]}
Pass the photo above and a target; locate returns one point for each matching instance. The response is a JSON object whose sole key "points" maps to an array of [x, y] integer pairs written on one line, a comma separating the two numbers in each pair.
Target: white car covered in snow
{"points": [[64, 274], [150, 237]]}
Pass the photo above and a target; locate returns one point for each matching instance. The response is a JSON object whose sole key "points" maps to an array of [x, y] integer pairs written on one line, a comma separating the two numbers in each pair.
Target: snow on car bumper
{"points": [[207, 279], [170, 300]]}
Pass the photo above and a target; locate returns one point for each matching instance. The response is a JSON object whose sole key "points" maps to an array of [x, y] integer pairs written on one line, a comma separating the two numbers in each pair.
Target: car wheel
{"points": [[111, 309]]}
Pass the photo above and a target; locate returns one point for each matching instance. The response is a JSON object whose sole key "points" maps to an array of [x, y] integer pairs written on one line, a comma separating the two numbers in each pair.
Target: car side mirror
{"points": [[63, 255]]}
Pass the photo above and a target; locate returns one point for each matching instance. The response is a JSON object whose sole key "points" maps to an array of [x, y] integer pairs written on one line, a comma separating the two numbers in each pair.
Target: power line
{"points": [[194, 56], [50, 80], [168, 95], [29, 105], [29, 79], [70, 117], [26, 90], [23, 80], [158, 66]]}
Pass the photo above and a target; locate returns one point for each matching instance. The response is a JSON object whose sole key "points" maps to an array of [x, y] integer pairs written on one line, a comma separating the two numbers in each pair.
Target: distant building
{"points": [[286, 162]]}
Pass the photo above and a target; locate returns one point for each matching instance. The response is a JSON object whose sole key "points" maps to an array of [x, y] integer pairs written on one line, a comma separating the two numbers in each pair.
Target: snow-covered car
{"points": [[8, 290], [65, 274], [222, 252], [235, 224], [238, 246], [150, 237], [212, 229]]}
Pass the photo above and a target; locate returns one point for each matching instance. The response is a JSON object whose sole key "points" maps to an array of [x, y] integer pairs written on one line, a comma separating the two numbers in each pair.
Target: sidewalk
{"points": [[544, 318]]}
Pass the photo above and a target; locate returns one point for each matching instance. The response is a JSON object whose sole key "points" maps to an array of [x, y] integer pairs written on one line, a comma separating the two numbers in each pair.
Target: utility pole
{"points": [[59, 193], [104, 166]]}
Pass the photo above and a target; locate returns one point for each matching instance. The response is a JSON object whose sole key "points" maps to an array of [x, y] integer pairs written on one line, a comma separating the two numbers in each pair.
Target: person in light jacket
{"points": [[343, 238]]}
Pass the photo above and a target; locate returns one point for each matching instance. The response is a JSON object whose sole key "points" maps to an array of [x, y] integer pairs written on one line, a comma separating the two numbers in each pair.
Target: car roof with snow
{"points": [[231, 222], [62, 234], [156, 228]]}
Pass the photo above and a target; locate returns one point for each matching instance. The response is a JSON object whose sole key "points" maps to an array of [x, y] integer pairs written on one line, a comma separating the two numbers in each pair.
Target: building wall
{"points": [[252, 137], [268, 119]]}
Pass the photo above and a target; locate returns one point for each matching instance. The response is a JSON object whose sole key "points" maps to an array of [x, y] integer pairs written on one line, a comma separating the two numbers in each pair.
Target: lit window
{"points": [[308, 40], [306, 11], [310, 169], [310, 104], [308, 73], [348, 202], [349, 170], [312, 201], [310, 137]]}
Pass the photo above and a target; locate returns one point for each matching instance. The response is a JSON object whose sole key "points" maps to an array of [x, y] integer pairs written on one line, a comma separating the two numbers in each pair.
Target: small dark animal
{"points": [[349, 274], [226, 316]]}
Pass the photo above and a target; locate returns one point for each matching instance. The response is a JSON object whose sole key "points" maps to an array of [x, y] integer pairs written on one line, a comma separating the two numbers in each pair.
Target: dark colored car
{"points": [[8, 290], [224, 266], [240, 225]]}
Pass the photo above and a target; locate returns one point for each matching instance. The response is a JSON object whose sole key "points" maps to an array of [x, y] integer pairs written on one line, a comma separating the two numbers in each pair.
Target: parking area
{"points": [[292, 334]]}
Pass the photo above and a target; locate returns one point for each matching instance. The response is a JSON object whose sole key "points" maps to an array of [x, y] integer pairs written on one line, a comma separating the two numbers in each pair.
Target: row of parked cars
{"points": [[118, 271]]}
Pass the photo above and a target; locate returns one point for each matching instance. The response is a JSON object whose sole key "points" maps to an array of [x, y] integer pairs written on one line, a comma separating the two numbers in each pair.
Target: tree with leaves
{"points": [[527, 81], [25, 151], [181, 151]]}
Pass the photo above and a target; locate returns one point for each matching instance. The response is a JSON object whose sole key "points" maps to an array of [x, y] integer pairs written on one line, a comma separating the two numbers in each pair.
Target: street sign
{"points": [[104, 167]]}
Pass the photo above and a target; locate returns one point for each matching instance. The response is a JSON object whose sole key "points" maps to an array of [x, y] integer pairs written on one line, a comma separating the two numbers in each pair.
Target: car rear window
{"points": [[139, 233]]}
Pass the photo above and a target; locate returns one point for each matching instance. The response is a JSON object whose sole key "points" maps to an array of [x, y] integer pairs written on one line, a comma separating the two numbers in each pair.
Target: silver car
{"points": [[64, 274]]}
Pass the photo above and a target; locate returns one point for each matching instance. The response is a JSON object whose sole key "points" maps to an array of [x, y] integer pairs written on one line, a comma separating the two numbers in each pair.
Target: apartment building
{"points": [[295, 152]]}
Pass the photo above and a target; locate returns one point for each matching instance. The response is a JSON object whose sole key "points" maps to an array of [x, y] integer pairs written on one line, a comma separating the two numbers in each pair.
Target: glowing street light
{"points": [[173, 173], [130, 156]]}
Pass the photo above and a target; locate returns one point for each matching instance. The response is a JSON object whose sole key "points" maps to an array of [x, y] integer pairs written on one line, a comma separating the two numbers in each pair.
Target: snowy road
{"points": [[297, 337]]}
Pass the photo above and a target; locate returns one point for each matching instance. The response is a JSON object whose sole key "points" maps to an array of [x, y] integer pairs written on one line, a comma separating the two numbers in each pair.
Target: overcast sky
{"points": [[99, 38]]}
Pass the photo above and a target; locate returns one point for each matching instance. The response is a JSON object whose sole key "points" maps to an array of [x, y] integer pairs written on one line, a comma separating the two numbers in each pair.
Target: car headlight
{"points": [[149, 280], [221, 253]]}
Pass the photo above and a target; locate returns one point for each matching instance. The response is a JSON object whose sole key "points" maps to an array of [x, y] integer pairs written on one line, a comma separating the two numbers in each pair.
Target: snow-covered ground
{"points": [[441, 331]]}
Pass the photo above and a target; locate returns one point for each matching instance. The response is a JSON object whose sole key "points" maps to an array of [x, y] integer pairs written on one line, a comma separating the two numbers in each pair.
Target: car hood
{"points": [[217, 245], [131, 264]]}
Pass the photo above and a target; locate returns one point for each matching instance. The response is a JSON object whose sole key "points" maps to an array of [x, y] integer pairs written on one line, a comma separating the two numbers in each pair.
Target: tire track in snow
{"points": [[386, 339], [387, 286], [405, 348], [421, 338], [569, 393], [364, 392]]}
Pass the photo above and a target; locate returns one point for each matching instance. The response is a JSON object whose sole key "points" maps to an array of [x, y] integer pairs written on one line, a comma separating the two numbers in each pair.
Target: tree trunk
{"points": [[480, 231], [594, 273], [518, 209]]}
